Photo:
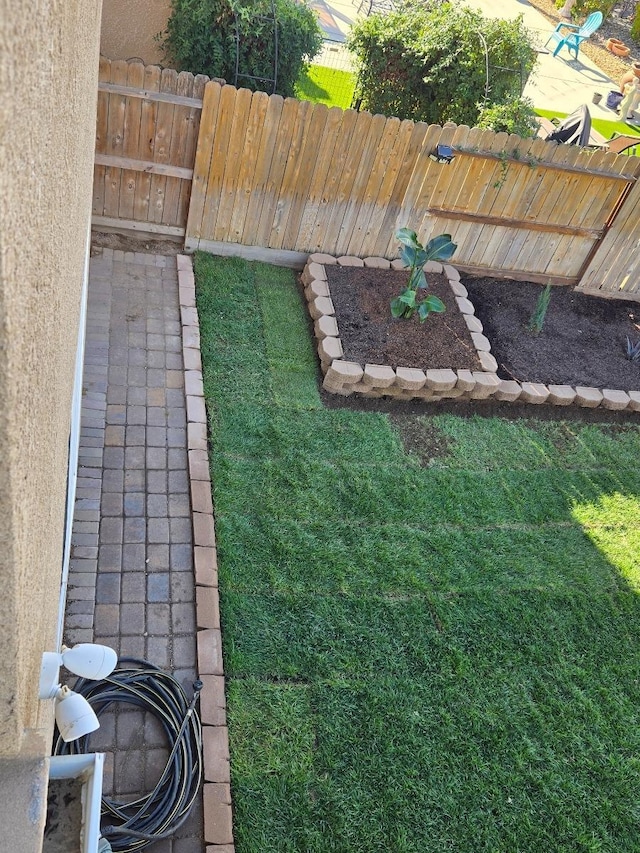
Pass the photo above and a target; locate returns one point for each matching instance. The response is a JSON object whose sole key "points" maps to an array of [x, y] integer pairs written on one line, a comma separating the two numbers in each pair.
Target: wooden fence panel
{"points": [[146, 134], [182, 155], [296, 178], [614, 270]]}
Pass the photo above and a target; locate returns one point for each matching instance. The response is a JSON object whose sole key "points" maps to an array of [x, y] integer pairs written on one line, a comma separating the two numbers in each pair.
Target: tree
{"points": [[206, 37], [430, 62]]}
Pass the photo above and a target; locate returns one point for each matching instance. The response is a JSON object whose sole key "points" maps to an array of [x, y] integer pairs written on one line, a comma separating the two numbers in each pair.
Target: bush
{"points": [[428, 63], [515, 116], [582, 8], [201, 38], [635, 26]]}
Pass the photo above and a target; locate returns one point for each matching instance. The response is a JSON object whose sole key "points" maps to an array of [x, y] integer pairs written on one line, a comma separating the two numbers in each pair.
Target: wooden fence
{"points": [[236, 172], [146, 136]]}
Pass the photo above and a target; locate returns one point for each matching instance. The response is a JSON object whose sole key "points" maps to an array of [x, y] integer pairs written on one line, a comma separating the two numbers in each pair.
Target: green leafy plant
{"points": [[204, 37], [633, 350], [414, 255], [516, 115], [435, 62], [635, 26], [582, 8], [540, 312]]}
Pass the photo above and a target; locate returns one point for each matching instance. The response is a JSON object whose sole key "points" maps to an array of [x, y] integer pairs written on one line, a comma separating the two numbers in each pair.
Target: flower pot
{"points": [[617, 47], [597, 97], [635, 67]]}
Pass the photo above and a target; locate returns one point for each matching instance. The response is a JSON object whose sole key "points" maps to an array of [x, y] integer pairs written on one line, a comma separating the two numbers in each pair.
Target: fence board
{"points": [[328, 216], [383, 216], [233, 164], [373, 175], [148, 117], [210, 105], [115, 140], [219, 154], [312, 217], [281, 146], [177, 143], [131, 142], [257, 113], [101, 141]]}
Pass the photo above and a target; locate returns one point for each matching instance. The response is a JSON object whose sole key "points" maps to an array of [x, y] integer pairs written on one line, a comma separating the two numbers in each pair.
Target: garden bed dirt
{"points": [[583, 341], [370, 335]]}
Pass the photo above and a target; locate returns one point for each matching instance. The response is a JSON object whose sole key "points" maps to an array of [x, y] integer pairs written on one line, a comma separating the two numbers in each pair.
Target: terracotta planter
{"points": [[617, 47]]}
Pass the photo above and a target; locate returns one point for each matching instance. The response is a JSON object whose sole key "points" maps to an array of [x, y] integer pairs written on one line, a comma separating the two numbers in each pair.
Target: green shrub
{"points": [[635, 26], [201, 38], [514, 116], [428, 63], [582, 8]]}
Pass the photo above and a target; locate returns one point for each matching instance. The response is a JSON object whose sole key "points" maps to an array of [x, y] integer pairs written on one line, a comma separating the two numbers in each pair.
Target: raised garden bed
{"points": [[364, 351]]}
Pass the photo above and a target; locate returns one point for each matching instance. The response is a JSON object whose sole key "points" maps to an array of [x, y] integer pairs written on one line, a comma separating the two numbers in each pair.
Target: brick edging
{"points": [[218, 825], [373, 380]]}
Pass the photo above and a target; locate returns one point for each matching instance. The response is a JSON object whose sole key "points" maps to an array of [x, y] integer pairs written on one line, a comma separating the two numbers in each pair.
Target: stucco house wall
{"points": [[49, 53], [128, 29]]}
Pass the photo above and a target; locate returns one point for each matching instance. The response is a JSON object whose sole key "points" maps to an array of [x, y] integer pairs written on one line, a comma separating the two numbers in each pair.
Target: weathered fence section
{"points": [[146, 136], [237, 172], [614, 270], [293, 177]]}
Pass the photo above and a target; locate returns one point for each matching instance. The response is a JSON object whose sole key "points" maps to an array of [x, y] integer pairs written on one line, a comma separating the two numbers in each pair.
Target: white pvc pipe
{"points": [[74, 441]]}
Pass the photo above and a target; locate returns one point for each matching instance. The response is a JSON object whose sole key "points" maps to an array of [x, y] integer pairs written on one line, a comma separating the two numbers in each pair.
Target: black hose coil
{"points": [[160, 813]]}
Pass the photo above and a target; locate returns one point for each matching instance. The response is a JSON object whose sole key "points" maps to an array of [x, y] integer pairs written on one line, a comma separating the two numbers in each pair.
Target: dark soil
{"points": [[583, 340], [370, 335]]}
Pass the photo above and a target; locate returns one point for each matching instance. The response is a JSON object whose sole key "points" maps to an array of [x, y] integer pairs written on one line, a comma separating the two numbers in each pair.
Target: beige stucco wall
{"points": [[49, 53], [128, 29]]}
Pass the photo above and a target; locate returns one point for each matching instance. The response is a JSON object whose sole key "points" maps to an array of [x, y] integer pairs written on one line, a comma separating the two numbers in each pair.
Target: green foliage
{"points": [[583, 8], [635, 26], [540, 312], [514, 116], [201, 38], [428, 63], [414, 256], [633, 350]]}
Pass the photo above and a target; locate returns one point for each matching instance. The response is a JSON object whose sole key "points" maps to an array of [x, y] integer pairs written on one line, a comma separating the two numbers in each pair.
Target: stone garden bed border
{"points": [[406, 383]]}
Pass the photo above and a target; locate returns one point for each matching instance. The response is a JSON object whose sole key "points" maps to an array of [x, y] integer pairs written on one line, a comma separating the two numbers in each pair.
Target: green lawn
{"points": [[328, 86], [426, 651]]}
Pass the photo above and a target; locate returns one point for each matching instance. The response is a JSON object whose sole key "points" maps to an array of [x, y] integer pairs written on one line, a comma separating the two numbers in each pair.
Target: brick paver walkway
{"points": [[131, 582]]}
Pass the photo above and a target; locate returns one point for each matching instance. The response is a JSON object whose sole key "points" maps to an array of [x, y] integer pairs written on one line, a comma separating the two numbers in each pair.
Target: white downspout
{"points": [[74, 441]]}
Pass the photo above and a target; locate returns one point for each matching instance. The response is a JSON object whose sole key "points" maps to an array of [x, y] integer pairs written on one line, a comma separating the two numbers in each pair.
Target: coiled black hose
{"points": [[160, 813]]}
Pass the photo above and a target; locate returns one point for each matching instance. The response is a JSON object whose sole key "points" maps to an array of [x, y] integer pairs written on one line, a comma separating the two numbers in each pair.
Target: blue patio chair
{"points": [[578, 34]]}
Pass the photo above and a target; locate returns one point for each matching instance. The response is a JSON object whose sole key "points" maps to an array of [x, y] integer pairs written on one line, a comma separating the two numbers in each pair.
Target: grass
{"points": [[427, 649], [329, 86]]}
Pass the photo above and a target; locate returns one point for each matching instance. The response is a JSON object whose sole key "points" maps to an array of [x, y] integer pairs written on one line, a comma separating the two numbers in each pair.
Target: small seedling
{"points": [[414, 256], [537, 318], [633, 350]]}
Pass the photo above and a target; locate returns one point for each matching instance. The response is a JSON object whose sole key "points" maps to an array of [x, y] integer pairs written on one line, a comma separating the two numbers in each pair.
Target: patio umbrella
{"points": [[574, 129]]}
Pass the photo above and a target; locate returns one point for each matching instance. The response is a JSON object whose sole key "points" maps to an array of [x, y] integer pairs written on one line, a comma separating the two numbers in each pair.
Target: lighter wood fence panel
{"points": [[147, 127], [614, 270]]}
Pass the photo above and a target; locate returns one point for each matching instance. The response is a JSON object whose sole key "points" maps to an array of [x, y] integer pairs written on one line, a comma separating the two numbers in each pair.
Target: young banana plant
{"points": [[414, 256]]}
